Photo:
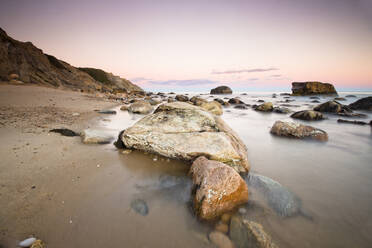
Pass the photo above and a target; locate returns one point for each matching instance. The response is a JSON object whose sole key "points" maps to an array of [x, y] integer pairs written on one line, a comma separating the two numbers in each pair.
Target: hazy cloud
{"points": [[245, 70], [188, 82], [276, 75], [253, 79], [138, 79]]}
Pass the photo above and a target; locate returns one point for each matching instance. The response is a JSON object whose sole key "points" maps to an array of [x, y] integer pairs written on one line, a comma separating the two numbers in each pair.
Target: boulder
{"points": [[107, 112], [354, 122], [221, 90], [265, 107], [240, 106], [212, 107], [218, 188], [339, 99], [362, 104], [281, 110], [154, 101], [249, 234], [140, 107], [93, 136], [350, 96], [332, 107], [183, 131], [124, 107], [220, 240], [197, 100], [308, 115], [312, 88], [296, 130], [235, 101], [182, 98], [13, 76]]}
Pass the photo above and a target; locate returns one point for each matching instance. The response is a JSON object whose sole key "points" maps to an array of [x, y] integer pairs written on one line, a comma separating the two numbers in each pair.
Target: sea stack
{"points": [[312, 88], [221, 90]]}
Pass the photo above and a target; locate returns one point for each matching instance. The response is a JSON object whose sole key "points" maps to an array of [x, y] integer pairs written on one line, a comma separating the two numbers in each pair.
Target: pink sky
{"points": [[200, 44]]}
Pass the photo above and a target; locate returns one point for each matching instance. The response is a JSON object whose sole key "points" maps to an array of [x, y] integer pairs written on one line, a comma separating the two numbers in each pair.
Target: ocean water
{"points": [[332, 179]]}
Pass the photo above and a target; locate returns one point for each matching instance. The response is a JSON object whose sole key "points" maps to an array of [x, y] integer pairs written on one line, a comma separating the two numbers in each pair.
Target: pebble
{"points": [[225, 218], [126, 151], [75, 114], [220, 240], [222, 227], [27, 242], [242, 211], [38, 244], [140, 206]]}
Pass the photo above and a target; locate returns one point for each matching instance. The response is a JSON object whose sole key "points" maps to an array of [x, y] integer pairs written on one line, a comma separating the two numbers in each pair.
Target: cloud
{"points": [[187, 82], [138, 79], [253, 79], [276, 75], [245, 70]]}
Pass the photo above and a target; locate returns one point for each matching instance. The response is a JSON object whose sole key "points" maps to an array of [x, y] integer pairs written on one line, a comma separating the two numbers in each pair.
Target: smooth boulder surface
{"points": [[312, 88], [308, 115], [221, 90], [218, 188], [93, 136], [196, 100], [183, 131], [212, 107], [362, 104], [249, 234], [281, 110], [182, 98], [265, 107], [296, 130], [235, 101], [140, 107], [332, 107]]}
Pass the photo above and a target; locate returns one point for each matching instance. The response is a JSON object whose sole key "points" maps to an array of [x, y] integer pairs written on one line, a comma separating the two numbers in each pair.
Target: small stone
{"points": [[107, 112], [33, 187], [220, 240], [98, 165], [27, 242], [222, 227], [126, 151], [242, 211], [225, 218], [38, 244], [75, 114], [140, 206]]}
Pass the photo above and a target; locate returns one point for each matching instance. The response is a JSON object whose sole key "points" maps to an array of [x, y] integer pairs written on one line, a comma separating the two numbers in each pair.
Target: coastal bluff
{"points": [[312, 88]]}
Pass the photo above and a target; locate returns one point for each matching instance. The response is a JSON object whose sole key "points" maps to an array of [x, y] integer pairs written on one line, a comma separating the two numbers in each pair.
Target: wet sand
{"points": [[83, 193]]}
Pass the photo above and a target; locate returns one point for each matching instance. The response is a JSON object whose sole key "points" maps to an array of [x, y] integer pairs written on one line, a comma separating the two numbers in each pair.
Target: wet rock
{"points": [[220, 240], [140, 107], [352, 115], [315, 101], [154, 101], [225, 218], [260, 100], [285, 94], [240, 106], [308, 115], [339, 99], [107, 112], [350, 96], [197, 100], [353, 122], [249, 234], [94, 136], [27, 242], [140, 206], [183, 131], [64, 132], [332, 107], [280, 199], [314, 97], [362, 104], [13, 76], [124, 107], [171, 99], [265, 107], [296, 130], [218, 188], [221, 90], [222, 227], [212, 107], [182, 98], [274, 95], [38, 244], [281, 110], [312, 88], [235, 101]]}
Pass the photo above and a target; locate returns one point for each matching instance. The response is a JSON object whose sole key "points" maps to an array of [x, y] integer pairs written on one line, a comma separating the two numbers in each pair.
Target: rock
{"points": [[107, 112], [171, 99], [274, 95], [154, 101], [183, 131], [212, 107], [219, 188], [235, 101], [315, 101], [308, 115], [295, 130], [249, 234], [221, 90], [314, 97], [240, 106], [281, 110], [220, 240], [332, 107], [182, 98], [350, 96], [353, 122], [312, 88], [124, 107], [265, 107], [260, 100], [38, 244], [64, 132], [93, 136], [339, 99], [222, 227], [140, 107], [351, 115], [225, 218], [198, 101], [27, 242], [362, 104], [13, 76], [285, 94], [280, 199], [140, 206]]}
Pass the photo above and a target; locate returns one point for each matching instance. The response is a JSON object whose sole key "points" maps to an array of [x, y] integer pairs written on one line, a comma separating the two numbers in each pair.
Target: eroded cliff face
{"points": [[312, 88], [33, 66]]}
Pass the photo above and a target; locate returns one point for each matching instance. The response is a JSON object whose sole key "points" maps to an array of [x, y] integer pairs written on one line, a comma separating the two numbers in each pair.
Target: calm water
{"points": [[333, 180]]}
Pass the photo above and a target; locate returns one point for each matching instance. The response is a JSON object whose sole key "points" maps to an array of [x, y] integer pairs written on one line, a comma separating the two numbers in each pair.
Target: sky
{"points": [[174, 45]]}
